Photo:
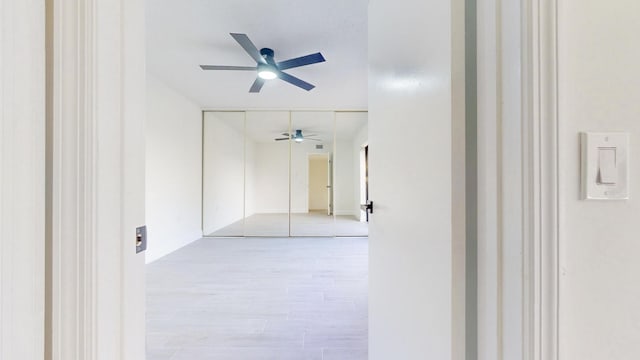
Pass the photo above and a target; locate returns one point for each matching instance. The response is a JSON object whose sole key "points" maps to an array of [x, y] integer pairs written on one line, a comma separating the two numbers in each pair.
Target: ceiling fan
{"points": [[267, 67], [297, 137]]}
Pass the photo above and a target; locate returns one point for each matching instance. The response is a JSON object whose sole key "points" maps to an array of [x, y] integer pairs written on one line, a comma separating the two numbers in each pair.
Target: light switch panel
{"points": [[605, 162]]}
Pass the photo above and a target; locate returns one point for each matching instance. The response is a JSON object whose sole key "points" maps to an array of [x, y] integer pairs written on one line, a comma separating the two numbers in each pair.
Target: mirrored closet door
{"points": [[312, 173], [267, 174], [282, 173]]}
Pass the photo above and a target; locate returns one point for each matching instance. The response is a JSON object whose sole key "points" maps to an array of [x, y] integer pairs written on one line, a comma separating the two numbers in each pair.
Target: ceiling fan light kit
{"points": [[266, 66], [267, 71]]}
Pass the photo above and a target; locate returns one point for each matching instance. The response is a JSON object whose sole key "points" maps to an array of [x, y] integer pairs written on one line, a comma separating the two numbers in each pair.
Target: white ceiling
{"points": [[184, 34]]}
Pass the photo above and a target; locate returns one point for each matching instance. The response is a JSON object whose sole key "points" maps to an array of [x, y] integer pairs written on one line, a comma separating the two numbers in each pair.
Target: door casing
{"points": [[102, 299]]}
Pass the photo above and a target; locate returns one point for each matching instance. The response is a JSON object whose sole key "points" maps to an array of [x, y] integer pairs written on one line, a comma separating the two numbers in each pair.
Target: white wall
{"points": [[173, 170], [599, 243], [223, 166], [347, 163], [22, 179], [345, 172]]}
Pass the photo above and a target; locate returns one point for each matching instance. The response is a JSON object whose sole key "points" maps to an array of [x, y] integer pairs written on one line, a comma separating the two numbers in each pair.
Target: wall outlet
{"points": [[141, 239]]}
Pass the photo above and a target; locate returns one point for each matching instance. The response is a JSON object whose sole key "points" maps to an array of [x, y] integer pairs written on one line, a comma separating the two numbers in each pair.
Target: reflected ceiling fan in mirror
{"points": [[267, 67], [297, 137]]}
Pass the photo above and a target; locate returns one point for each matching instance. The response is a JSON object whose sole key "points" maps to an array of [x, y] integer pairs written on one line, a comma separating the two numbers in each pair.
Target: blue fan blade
{"points": [[225, 67], [301, 61], [295, 81], [257, 85], [248, 46]]}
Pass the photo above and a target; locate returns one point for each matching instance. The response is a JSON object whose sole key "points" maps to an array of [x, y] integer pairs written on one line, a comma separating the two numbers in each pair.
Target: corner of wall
{"points": [[173, 169]]}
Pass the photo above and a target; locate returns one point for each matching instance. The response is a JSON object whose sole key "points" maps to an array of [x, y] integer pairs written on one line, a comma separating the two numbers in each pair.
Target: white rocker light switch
{"points": [[607, 169], [605, 162]]}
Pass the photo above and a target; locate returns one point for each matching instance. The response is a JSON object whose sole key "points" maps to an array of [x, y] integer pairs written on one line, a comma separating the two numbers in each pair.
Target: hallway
{"points": [[260, 298]]}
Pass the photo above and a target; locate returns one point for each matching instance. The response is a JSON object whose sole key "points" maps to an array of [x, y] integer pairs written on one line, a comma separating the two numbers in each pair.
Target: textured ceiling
{"points": [[184, 34]]}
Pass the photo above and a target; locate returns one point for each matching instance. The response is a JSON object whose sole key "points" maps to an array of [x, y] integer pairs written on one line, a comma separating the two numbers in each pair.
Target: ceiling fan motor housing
{"points": [[267, 54]]}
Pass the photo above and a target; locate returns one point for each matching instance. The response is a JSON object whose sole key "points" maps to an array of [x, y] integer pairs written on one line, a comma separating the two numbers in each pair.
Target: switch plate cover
{"points": [[604, 163]]}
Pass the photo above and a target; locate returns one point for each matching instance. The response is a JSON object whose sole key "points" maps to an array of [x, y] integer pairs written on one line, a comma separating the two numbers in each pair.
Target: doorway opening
{"points": [[320, 184], [288, 259], [277, 274]]}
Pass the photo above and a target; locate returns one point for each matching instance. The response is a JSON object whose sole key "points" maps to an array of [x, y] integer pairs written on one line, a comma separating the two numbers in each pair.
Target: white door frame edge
{"points": [[541, 218]]}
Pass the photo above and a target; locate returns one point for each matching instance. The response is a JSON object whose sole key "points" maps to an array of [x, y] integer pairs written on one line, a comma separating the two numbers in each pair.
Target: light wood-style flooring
{"points": [[313, 223], [259, 299]]}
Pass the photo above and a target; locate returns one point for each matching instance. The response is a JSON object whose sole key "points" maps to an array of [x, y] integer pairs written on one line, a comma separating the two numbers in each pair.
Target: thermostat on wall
{"points": [[605, 163]]}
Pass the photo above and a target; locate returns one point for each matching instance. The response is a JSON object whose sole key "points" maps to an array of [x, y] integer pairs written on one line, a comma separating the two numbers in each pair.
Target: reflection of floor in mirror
{"points": [[314, 223]]}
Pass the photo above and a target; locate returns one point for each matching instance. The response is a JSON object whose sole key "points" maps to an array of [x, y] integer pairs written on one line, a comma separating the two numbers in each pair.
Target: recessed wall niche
{"points": [[283, 173]]}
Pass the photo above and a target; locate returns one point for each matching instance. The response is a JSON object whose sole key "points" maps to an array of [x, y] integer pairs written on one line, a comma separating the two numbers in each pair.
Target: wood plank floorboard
{"points": [[260, 299]]}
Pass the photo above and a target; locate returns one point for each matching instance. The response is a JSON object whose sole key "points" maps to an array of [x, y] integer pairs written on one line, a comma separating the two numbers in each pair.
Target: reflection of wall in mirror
{"points": [[347, 166], [268, 177], [257, 181], [271, 178], [343, 178], [361, 139]]}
